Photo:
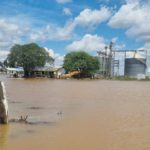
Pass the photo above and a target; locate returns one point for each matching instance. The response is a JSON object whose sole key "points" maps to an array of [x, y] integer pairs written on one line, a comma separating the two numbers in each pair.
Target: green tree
{"points": [[81, 61], [28, 56]]}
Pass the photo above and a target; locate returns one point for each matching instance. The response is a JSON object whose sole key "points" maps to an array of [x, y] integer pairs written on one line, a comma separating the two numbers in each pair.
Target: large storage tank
{"points": [[135, 66], [104, 63]]}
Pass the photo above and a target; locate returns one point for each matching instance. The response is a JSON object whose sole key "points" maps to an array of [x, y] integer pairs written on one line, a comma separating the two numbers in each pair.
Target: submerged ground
{"points": [[77, 115]]}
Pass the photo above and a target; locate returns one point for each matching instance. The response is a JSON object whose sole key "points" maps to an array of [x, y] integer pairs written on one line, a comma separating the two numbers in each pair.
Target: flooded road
{"points": [[77, 115]]}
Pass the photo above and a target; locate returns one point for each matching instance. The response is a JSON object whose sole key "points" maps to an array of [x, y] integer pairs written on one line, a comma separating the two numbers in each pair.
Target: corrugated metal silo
{"points": [[103, 63], [135, 66]]}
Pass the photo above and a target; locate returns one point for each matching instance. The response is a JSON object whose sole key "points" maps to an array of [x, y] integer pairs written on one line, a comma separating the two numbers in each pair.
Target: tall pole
{"points": [[113, 65], [110, 63], [124, 63], [105, 62], [146, 61]]}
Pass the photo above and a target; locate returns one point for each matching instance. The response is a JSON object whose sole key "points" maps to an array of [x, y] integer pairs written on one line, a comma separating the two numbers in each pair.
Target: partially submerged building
{"points": [[44, 72], [50, 72], [15, 72]]}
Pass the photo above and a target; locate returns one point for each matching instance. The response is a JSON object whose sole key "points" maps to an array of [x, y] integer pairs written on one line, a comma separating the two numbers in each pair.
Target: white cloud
{"points": [[52, 32], [116, 44], [65, 32], [57, 57], [147, 45], [12, 31], [119, 46], [51, 52], [9, 33], [114, 39], [59, 61], [67, 11], [87, 18], [87, 43], [126, 16], [63, 1], [134, 17], [90, 17], [3, 55], [6, 26]]}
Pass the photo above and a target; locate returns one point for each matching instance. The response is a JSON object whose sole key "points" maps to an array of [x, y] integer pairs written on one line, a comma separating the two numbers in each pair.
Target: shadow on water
{"points": [[3, 135]]}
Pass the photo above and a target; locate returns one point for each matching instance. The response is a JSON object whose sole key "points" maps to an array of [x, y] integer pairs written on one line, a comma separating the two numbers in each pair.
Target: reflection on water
{"points": [[80, 115]]}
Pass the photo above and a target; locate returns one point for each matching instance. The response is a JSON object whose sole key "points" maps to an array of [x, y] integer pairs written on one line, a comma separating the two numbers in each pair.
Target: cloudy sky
{"points": [[65, 25]]}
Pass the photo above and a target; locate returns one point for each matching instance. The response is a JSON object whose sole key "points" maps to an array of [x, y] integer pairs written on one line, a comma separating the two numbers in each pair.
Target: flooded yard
{"points": [[77, 115]]}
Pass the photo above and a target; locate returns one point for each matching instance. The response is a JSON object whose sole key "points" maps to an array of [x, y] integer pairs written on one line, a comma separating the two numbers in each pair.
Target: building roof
{"points": [[20, 69], [52, 69]]}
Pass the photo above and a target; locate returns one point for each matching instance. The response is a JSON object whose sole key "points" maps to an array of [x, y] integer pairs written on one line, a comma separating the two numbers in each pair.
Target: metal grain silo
{"points": [[135, 66]]}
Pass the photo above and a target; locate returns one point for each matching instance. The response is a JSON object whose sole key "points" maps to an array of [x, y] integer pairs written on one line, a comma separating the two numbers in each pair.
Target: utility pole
{"points": [[110, 59], [105, 62]]}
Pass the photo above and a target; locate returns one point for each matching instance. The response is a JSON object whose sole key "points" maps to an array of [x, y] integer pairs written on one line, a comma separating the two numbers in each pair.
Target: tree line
{"points": [[29, 56]]}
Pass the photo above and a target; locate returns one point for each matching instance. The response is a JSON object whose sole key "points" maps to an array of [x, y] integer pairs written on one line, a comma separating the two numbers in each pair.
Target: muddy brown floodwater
{"points": [[77, 115]]}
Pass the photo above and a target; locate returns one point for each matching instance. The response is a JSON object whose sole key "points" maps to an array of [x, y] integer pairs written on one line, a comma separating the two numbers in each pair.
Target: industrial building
{"points": [[105, 61], [133, 66], [104, 64]]}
